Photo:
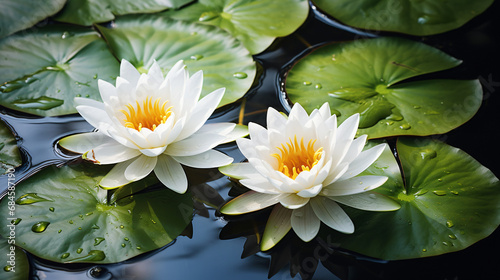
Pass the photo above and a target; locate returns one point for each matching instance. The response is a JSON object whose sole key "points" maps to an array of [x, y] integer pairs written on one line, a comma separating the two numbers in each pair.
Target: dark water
{"points": [[205, 256]]}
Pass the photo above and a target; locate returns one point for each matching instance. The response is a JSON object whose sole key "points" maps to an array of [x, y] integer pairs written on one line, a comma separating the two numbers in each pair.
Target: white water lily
{"points": [[148, 122], [305, 165]]}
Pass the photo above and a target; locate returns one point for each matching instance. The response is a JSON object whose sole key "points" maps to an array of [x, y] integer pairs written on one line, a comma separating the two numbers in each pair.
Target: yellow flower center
{"points": [[296, 158], [149, 115]]}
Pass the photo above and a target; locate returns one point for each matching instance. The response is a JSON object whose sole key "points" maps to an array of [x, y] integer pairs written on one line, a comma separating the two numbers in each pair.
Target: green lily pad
{"points": [[449, 201], [422, 17], [224, 61], [10, 157], [87, 12], [17, 15], [64, 217], [256, 23], [14, 261], [43, 70], [365, 77]]}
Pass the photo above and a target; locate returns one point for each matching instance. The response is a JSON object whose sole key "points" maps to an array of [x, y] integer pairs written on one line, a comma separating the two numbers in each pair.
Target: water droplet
{"points": [[439, 192], [153, 221], [8, 268], [138, 248], [59, 231], [98, 240], [93, 256], [51, 209], [40, 227], [16, 221], [79, 250], [428, 154], [81, 216], [421, 192], [65, 256], [446, 243], [440, 180], [307, 83], [78, 95], [423, 19], [41, 103], [79, 228], [95, 227], [121, 226], [416, 107], [89, 213], [126, 238], [196, 57], [240, 75], [405, 126], [449, 223], [318, 86], [395, 117], [372, 196], [452, 236], [30, 198], [70, 221], [66, 34], [123, 245], [95, 76], [454, 192], [206, 16], [424, 250]]}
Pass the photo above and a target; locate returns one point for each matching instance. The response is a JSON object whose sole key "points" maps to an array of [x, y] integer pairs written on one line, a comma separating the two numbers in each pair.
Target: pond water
{"points": [[205, 256]]}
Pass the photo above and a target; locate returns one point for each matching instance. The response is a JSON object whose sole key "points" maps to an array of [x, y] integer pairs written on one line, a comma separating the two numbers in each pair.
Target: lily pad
{"points": [[422, 17], [10, 157], [87, 12], [224, 61], [17, 15], [256, 23], [43, 70], [365, 77], [448, 201], [64, 217], [13, 259]]}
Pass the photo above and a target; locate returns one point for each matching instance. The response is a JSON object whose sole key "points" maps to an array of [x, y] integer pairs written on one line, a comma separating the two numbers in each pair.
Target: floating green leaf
{"points": [[448, 202], [17, 15], [71, 221], [15, 265], [256, 23], [87, 12], [43, 70], [10, 157], [364, 77], [422, 17], [224, 61]]}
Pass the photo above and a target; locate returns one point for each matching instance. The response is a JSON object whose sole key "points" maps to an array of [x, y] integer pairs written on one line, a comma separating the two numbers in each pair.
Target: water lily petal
{"points": [[216, 128], [355, 148], [154, 152], [201, 112], [106, 90], [354, 185], [208, 159], [363, 161], [310, 192], [293, 201], [155, 75], [140, 168], [238, 131], [305, 223], [249, 202], [275, 120], [277, 226], [369, 201], [171, 174], [246, 148], [239, 170], [129, 73], [193, 89], [258, 134], [348, 128], [116, 176], [111, 152], [330, 213], [260, 184], [95, 116], [196, 144], [83, 142]]}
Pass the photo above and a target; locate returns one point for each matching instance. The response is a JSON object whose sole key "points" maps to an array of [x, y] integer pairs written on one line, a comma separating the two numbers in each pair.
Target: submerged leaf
{"points": [[10, 157]]}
